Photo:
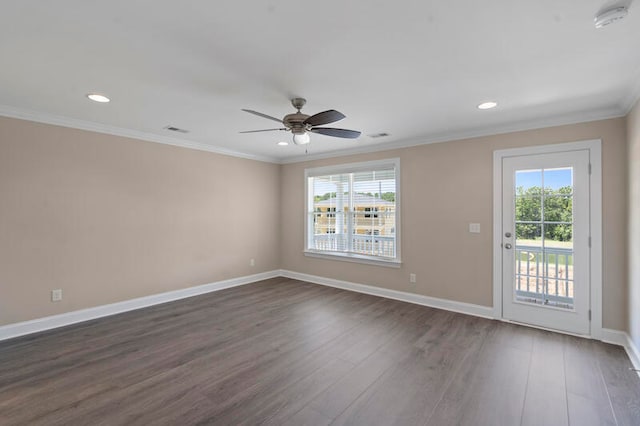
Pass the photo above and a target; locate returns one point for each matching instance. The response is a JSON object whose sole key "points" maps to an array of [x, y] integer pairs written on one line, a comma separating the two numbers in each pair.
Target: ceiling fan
{"points": [[301, 124]]}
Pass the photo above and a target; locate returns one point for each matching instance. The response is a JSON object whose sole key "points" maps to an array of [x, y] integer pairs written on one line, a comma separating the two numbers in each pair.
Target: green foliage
{"points": [[324, 197], [555, 206], [389, 196]]}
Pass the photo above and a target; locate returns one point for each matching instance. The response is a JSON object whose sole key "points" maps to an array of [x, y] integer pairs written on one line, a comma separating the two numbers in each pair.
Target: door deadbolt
{"points": [[508, 234]]}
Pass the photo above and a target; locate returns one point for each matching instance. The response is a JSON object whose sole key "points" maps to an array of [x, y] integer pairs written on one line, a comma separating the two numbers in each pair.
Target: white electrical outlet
{"points": [[252, 262], [474, 228], [56, 295], [412, 278]]}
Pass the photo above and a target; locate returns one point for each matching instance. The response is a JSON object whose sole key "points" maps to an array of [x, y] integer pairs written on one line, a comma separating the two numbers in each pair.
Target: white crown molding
{"points": [[74, 123], [603, 114], [633, 96], [46, 118], [418, 299], [47, 323]]}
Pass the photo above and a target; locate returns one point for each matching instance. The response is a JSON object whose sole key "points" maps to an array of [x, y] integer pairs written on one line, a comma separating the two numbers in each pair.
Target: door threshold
{"points": [[538, 327]]}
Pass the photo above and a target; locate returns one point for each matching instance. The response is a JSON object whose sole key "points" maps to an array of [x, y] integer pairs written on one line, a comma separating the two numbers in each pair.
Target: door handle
{"points": [[507, 246]]}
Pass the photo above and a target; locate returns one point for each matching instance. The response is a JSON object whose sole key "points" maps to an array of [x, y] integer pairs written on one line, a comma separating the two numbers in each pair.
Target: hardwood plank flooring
{"points": [[286, 352]]}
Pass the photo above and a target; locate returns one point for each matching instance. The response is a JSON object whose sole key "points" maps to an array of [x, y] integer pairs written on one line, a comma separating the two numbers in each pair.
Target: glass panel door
{"points": [[545, 226]]}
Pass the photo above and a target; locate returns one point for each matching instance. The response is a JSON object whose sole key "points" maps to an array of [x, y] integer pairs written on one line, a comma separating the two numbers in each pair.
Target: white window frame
{"points": [[352, 168]]}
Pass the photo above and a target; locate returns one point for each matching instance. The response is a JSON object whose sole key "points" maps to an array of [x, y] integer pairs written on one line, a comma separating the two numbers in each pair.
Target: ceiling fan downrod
{"points": [[298, 103]]}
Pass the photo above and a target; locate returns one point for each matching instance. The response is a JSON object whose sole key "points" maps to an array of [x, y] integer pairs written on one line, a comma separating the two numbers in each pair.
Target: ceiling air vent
{"points": [[378, 135], [176, 129]]}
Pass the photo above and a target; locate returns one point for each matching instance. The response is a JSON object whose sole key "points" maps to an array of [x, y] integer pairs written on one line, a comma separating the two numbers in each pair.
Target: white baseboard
{"points": [[47, 323], [433, 302], [623, 339], [634, 354], [42, 324], [615, 337]]}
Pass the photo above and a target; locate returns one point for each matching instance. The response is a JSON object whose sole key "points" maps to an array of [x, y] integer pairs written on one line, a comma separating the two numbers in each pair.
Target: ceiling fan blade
{"points": [[264, 130], [338, 133], [324, 117], [250, 111]]}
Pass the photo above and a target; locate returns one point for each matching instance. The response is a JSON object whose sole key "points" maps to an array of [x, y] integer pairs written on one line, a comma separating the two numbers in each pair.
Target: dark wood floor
{"points": [[284, 352]]}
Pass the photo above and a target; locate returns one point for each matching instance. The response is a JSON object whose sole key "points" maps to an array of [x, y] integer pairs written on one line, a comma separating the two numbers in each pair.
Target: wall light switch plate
{"points": [[474, 228]]}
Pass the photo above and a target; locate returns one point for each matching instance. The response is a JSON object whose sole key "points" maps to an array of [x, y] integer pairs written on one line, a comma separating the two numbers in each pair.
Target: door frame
{"points": [[595, 222]]}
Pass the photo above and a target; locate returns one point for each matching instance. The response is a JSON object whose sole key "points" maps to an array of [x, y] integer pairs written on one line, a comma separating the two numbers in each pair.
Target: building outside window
{"points": [[368, 211]]}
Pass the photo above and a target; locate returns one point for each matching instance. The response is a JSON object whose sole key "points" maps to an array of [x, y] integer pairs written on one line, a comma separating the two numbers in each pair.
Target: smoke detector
{"points": [[609, 16]]}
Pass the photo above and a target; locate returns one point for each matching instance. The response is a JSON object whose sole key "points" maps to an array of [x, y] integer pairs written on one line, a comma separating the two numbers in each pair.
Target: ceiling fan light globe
{"points": [[301, 138]]}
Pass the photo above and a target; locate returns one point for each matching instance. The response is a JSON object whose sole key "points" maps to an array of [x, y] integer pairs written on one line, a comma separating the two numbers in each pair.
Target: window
{"points": [[368, 211], [350, 203]]}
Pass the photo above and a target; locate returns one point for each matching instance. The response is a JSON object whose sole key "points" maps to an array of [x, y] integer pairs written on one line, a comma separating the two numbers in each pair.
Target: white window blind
{"points": [[353, 210]]}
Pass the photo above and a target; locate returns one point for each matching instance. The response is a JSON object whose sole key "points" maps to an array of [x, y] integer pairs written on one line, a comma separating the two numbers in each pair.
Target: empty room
{"points": [[339, 213]]}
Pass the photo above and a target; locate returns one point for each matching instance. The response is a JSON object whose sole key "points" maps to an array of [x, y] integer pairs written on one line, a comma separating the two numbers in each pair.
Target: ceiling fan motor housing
{"points": [[295, 122]]}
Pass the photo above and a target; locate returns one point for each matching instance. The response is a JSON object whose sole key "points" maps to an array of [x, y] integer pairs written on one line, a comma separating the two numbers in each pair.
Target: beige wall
{"points": [[446, 186], [633, 135], [107, 218]]}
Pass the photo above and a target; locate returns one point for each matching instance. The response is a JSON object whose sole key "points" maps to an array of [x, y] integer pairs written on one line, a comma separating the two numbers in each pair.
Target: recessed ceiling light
{"points": [[98, 98], [487, 105], [283, 143]]}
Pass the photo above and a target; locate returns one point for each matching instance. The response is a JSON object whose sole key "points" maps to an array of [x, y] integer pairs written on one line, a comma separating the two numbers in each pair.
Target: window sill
{"points": [[355, 258]]}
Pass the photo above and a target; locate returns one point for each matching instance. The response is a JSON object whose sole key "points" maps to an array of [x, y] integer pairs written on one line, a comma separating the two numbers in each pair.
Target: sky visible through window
{"points": [[553, 178]]}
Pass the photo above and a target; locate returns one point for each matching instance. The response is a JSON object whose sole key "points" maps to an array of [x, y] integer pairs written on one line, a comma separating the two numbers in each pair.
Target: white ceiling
{"points": [[415, 69]]}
